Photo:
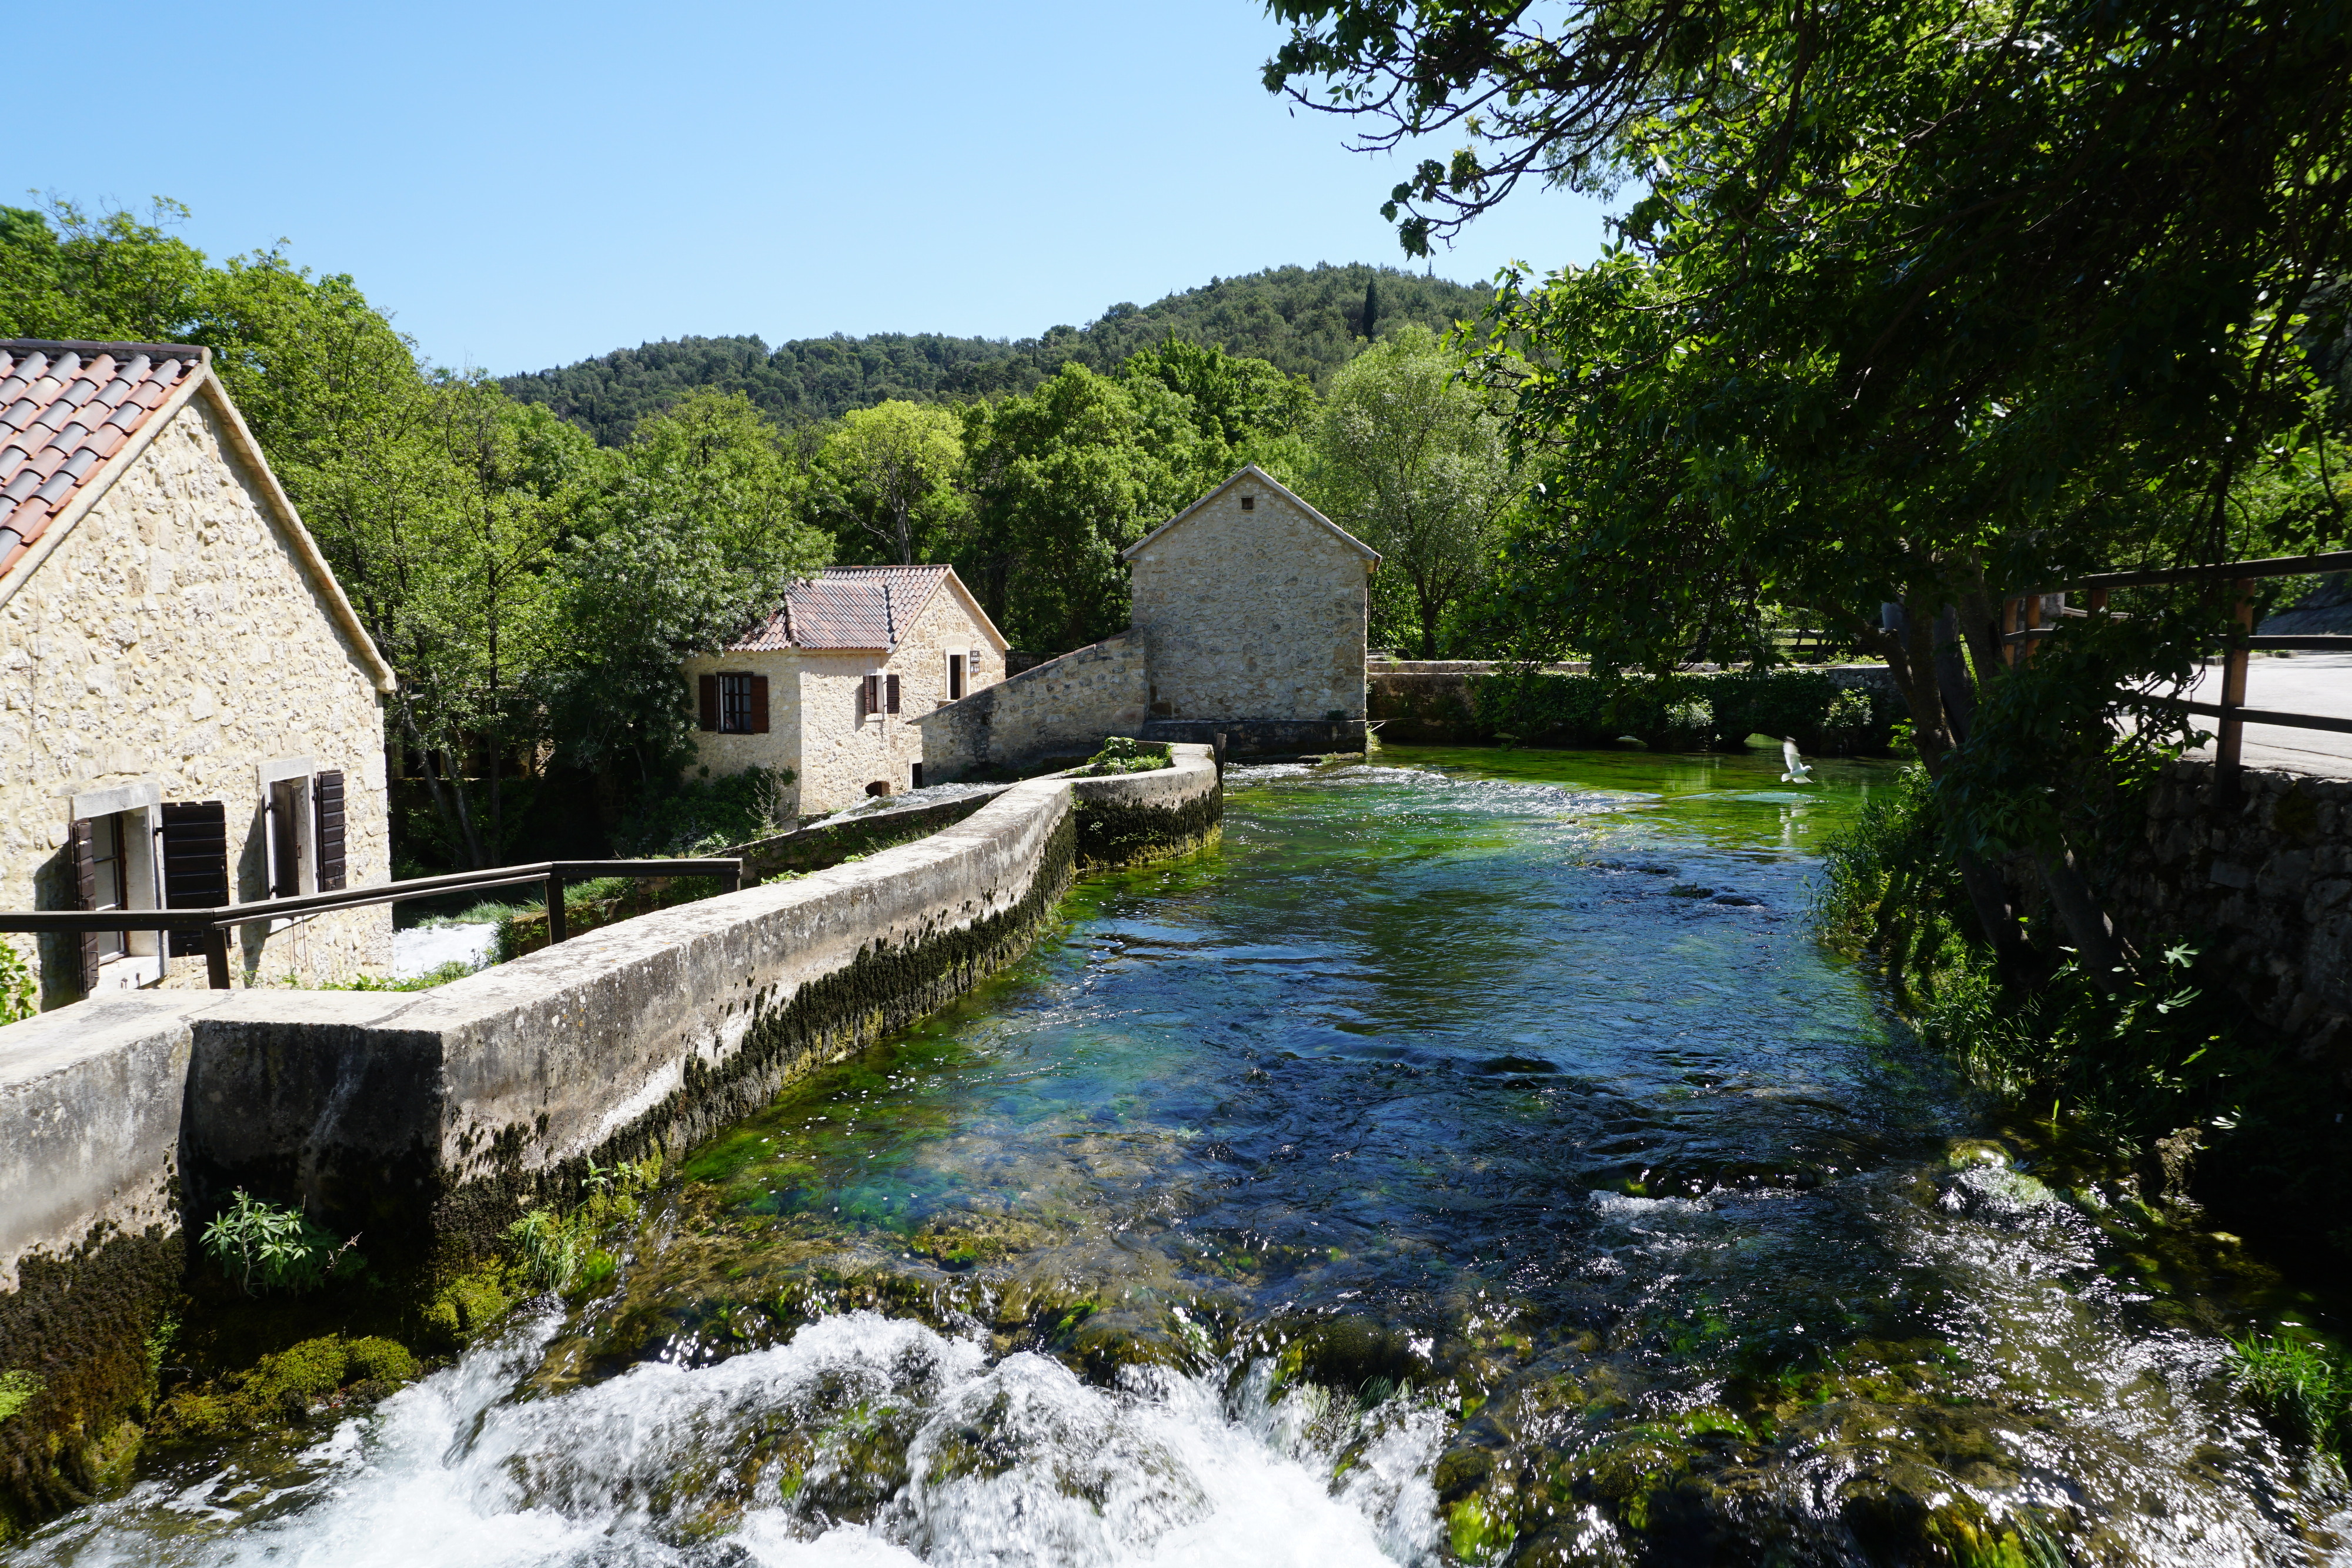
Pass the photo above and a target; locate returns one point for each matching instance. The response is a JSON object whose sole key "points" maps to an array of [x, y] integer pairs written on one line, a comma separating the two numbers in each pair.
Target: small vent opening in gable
{"points": [[1249, 503]]}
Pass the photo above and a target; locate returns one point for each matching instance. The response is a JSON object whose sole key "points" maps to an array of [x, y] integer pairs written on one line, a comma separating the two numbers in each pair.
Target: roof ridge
{"points": [[93, 345]]}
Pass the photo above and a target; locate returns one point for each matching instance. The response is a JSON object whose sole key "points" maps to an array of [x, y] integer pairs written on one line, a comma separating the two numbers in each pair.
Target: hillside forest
{"points": [[535, 555]]}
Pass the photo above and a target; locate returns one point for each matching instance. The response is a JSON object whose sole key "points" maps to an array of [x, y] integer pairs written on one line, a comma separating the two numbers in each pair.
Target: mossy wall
{"points": [[1555, 709]]}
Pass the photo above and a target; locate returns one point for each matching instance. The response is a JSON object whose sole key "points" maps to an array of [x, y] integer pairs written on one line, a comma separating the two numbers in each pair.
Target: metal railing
{"points": [[2022, 628], [215, 924]]}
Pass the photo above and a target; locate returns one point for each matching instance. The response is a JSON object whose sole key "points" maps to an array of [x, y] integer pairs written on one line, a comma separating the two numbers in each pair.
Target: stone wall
{"points": [[1256, 614], [1061, 709], [2263, 884], [175, 639]]}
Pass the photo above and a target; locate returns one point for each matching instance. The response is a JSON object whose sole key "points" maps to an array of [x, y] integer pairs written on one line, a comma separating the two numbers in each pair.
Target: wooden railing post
{"points": [[217, 956], [2033, 602], [2008, 625], [2229, 750], [555, 932]]}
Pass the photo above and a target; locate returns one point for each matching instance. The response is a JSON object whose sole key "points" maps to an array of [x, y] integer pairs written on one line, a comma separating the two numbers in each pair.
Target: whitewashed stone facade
{"points": [[171, 642], [819, 725]]}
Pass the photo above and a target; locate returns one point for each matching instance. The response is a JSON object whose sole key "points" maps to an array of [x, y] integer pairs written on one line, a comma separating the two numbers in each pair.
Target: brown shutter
{"points": [[759, 704], [869, 697], [80, 842], [709, 691], [327, 808], [196, 863], [893, 681]]}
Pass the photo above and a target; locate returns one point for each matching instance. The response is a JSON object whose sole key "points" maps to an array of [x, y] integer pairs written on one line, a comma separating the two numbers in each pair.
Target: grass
{"points": [[2302, 1388]]}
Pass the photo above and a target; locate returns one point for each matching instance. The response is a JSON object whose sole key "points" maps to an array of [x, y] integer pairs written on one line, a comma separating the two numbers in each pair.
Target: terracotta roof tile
{"points": [[69, 408], [848, 607]]}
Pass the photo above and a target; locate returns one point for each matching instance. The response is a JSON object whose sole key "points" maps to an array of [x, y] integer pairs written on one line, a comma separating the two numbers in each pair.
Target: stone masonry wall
{"points": [[1063, 707], [175, 637], [1256, 614], [2265, 882]]}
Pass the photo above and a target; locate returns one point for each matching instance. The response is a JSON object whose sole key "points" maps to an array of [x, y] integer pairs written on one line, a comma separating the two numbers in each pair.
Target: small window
{"points": [[955, 676], [890, 692], [734, 705], [869, 697], [1249, 503]]}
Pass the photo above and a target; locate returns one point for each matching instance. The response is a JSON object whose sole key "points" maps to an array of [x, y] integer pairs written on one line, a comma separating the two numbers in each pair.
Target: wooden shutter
{"points": [[327, 811], [709, 693], [81, 843], [759, 704], [893, 681], [196, 863]]}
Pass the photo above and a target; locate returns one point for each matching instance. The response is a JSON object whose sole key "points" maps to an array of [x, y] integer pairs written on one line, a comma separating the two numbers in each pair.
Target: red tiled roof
{"points": [[65, 409], [848, 607]]}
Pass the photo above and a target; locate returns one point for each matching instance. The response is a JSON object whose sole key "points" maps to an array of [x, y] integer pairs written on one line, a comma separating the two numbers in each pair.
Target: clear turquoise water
{"points": [[1472, 1159]]}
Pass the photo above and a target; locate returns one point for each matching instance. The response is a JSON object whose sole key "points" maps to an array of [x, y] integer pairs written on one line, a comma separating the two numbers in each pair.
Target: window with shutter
{"points": [[709, 693], [327, 813], [892, 682], [759, 704], [734, 703], [196, 863], [869, 697]]}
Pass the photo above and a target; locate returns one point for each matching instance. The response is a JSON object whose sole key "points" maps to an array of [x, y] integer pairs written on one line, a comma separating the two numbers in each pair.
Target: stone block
{"points": [[2229, 873]]}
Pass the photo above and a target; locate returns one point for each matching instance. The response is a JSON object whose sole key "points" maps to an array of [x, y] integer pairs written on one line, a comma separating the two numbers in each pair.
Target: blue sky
{"points": [[525, 185]]}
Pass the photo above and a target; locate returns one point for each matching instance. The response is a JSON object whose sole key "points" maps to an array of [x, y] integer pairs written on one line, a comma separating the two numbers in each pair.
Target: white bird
{"points": [[1798, 772]]}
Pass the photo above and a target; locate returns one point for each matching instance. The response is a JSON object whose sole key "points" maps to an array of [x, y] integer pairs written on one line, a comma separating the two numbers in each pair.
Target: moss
{"points": [[75, 1334], [1116, 834], [329, 1373], [469, 1301]]}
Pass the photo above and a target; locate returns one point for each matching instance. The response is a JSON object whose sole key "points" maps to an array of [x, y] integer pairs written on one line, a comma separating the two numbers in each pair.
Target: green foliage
{"points": [[1305, 322], [702, 815], [19, 995], [885, 483], [264, 1247], [17, 1391], [1690, 712], [286, 1386], [558, 1252], [1412, 461], [2301, 1386], [1123, 754], [455, 969], [689, 539]]}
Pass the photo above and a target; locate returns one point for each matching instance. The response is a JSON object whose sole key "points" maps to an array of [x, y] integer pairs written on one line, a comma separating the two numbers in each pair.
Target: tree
{"points": [[889, 472], [111, 278], [1921, 304], [1415, 463], [690, 537], [1066, 478]]}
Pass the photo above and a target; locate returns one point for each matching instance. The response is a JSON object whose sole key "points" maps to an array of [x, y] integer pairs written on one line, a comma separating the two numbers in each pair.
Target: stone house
{"points": [[831, 684], [189, 709], [1249, 620]]}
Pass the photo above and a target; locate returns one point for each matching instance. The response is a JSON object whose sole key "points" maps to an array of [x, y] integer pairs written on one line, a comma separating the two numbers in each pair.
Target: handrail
{"points": [[214, 923], [2229, 751]]}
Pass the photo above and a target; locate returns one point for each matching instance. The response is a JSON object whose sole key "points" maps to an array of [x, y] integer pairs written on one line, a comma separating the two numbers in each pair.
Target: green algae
{"points": [[287, 1387]]}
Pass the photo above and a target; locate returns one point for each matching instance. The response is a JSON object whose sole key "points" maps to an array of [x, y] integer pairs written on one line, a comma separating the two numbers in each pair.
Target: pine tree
{"points": [[1371, 304]]}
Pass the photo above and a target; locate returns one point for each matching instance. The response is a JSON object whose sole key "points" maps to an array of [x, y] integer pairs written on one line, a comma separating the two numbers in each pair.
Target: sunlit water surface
{"points": [[1473, 1159]]}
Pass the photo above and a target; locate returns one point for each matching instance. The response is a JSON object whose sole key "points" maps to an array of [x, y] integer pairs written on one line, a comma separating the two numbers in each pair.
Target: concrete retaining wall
{"points": [[428, 1120]]}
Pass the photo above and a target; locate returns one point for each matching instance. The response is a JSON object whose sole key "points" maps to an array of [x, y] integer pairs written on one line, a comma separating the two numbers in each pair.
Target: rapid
{"points": [[1473, 1159]]}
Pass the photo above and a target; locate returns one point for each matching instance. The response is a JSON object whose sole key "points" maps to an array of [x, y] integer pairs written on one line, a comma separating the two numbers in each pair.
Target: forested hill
{"points": [[1308, 320]]}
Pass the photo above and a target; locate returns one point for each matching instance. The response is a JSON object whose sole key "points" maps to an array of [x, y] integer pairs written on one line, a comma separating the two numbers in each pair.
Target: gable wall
{"points": [[173, 636], [1252, 615]]}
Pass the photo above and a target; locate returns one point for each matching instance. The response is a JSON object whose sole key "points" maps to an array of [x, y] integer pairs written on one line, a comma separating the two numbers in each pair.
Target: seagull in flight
{"points": [[1798, 772]]}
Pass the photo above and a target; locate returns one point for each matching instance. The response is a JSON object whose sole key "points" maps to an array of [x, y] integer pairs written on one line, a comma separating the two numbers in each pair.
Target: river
{"points": [[1471, 1159]]}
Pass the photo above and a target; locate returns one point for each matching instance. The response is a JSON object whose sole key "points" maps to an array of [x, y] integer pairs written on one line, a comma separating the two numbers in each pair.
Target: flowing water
{"points": [[1473, 1159]]}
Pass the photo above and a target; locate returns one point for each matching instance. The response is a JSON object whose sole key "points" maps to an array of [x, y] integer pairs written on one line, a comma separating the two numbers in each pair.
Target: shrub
{"points": [[264, 1246], [1684, 711], [704, 814], [19, 998], [1123, 754]]}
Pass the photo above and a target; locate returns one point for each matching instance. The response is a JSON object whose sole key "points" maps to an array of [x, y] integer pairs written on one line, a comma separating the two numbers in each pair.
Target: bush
{"points": [[261, 1245], [1123, 754], [1685, 712], [19, 996], [704, 814]]}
